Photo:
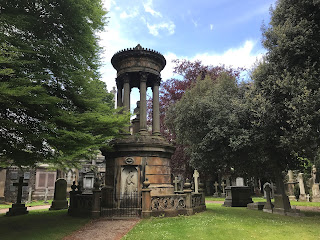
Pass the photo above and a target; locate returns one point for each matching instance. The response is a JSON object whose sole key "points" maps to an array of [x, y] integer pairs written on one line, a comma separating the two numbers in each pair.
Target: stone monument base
{"points": [[59, 204], [256, 205], [17, 209], [216, 195], [237, 196]]}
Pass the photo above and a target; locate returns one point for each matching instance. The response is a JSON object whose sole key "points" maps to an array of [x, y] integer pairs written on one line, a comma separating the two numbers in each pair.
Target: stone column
{"points": [[146, 200], [143, 103], [187, 190], [119, 96], [95, 212], [126, 94], [156, 110]]}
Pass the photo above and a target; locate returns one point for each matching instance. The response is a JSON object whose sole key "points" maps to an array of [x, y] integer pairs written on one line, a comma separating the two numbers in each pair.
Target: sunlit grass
{"points": [[229, 223]]}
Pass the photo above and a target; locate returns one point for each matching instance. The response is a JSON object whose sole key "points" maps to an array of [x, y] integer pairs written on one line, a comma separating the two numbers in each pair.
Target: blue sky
{"points": [[214, 31]]}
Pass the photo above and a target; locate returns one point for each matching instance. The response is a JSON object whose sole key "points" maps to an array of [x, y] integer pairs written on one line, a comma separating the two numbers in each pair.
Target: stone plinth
{"points": [[144, 157], [256, 206], [237, 196], [17, 209]]}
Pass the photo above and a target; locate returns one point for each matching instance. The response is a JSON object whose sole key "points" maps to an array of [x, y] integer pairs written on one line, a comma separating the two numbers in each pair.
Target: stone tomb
{"points": [[60, 195], [237, 196]]}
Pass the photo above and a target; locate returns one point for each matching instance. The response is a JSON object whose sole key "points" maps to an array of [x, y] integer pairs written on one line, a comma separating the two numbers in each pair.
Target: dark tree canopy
{"points": [[53, 107]]}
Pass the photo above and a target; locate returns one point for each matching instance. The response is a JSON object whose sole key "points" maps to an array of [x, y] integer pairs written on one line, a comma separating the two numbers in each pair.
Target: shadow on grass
{"points": [[39, 225]]}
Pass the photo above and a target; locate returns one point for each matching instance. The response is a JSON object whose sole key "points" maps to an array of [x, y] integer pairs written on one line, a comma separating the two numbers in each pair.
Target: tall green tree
{"points": [[211, 120], [53, 107], [286, 99]]}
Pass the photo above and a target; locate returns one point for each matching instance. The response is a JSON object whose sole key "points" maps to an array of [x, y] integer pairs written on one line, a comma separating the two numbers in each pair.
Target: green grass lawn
{"points": [[229, 223], [257, 199], [33, 203], [39, 225]]}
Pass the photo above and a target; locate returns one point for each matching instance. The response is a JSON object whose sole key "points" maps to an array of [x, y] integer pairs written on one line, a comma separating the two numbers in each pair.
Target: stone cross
{"points": [[196, 181], [268, 206], [20, 184], [223, 185], [216, 186], [176, 181]]}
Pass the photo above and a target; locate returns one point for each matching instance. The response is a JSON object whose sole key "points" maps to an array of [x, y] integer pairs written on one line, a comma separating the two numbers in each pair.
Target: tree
{"points": [[286, 95], [53, 107], [212, 120], [172, 90]]}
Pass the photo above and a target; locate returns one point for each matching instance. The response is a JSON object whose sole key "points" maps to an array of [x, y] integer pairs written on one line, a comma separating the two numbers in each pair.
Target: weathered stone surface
{"points": [[60, 195], [158, 170], [256, 206], [237, 196]]}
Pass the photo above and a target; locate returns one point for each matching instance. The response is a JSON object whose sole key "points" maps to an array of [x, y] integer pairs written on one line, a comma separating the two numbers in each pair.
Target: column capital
{"points": [[126, 78], [157, 81], [143, 76]]}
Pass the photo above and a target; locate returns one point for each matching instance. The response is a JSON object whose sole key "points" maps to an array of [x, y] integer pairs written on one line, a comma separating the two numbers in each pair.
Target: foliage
{"points": [[172, 90], [228, 223], [35, 225], [53, 107], [217, 130], [285, 99]]}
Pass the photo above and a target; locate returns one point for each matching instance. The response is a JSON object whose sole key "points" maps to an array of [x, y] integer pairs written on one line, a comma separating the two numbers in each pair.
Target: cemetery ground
{"points": [[216, 223]]}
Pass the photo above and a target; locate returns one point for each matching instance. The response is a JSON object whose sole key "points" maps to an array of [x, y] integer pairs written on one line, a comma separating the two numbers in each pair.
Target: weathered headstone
{"points": [[271, 185], [290, 185], [302, 196], [216, 193], [196, 181], [268, 207], [315, 185], [60, 195], [18, 208], [46, 195], [223, 185], [239, 182], [30, 195]]}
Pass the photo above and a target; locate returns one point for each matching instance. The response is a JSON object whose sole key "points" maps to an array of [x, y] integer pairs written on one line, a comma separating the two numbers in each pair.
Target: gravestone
{"points": [[302, 196], [196, 181], [60, 195], [30, 195], [216, 193], [315, 185], [237, 196], [18, 208], [223, 185], [46, 196], [239, 182], [272, 187], [268, 207], [290, 185]]}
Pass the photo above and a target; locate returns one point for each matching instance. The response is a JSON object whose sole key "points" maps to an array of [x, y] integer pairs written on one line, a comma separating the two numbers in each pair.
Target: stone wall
{"points": [[12, 176]]}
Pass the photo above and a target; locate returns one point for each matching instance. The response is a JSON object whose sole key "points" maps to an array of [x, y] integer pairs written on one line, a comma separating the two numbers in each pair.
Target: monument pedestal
{"points": [[315, 193], [17, 209], [237, 196]]}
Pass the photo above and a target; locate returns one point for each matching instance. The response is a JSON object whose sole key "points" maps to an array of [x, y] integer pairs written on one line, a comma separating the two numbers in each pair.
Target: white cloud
{"points": [[133, 14], [148, 8], [154, 28], [211, 27], [234, 57]]}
